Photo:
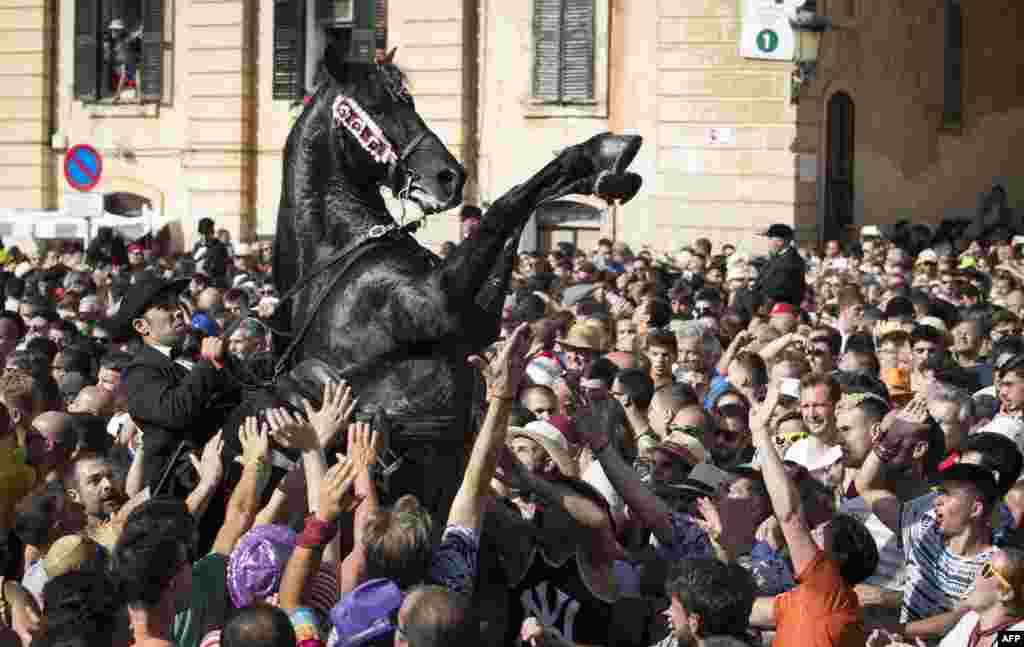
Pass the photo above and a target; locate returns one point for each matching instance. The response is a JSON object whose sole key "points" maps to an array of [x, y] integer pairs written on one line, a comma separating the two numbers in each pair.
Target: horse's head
{"points": [[382, 137]]}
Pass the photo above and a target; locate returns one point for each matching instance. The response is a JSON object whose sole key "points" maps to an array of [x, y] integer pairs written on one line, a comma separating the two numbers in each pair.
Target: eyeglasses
{"points": [[989, 571]]}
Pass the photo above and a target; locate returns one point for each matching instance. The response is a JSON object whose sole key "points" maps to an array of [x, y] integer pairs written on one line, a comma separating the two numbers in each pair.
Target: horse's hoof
{"points": [[613, 153], [617, 186]]}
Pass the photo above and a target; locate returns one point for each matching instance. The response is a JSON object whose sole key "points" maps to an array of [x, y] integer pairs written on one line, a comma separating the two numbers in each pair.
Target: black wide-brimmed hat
{"points": [[138, 298], [779, 231]]}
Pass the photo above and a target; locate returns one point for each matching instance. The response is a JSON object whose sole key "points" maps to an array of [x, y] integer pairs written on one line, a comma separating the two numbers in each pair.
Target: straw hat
{"points": [[583, 335], [69, 553], [552, 440]]}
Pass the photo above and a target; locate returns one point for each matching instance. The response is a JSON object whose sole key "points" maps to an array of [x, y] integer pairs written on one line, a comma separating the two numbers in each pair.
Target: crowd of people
{"points": [[692, 447]]}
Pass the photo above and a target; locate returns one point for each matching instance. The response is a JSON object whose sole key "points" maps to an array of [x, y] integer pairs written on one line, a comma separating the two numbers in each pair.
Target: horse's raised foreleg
{"points": [[577, 170]]}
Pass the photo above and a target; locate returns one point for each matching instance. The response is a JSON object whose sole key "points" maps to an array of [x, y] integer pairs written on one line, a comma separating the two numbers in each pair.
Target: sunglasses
{"points": [[988, 571], [731, 411], [691, 430]]}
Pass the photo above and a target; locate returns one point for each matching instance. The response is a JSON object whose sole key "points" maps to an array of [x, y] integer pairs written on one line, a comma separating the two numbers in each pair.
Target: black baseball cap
{"points": [[980, 477]]}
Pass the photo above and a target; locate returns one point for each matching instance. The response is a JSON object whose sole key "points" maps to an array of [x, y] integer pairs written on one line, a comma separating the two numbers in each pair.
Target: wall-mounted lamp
{"points": [[808, 26]]}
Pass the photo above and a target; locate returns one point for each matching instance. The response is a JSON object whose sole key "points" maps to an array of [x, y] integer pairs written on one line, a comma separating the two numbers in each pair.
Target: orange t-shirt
{"points": [[820, 612]]}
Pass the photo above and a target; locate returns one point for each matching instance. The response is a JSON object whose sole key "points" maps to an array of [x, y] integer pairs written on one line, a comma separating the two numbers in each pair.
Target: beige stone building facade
{"points": [[916, 110], [507, 84]]}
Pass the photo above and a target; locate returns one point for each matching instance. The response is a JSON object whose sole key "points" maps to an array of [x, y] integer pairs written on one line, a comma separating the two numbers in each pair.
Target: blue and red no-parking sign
{"points": [[83, 167]]}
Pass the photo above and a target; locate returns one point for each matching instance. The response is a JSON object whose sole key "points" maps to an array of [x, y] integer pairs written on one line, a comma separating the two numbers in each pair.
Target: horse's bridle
{"points": [[399, 166]]}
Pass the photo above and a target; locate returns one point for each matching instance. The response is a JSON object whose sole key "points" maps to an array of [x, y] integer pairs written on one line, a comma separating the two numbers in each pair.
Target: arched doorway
{"points": [[839, 177]]}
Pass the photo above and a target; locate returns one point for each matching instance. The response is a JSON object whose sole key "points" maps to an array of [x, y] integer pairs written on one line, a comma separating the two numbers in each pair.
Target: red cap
{"points": [[784, 309], [564, 425], [135, 248]]}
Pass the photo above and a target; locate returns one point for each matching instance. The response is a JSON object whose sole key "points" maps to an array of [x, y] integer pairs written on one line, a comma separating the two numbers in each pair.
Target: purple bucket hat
{"points": [[257, 563], [366, 613]]}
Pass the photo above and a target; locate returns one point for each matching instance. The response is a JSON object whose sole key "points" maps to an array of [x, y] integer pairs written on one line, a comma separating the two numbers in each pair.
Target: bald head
{"points": [[52, 424], [623, 359], [433, 616], [94, 400], [209, 299], [55, 443]]}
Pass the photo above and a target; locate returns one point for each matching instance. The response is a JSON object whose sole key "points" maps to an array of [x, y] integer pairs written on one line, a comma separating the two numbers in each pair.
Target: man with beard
{"points": [[729, 439], [968, 336], [573, 548], [819, 395], [90, 483], [858, 417]]}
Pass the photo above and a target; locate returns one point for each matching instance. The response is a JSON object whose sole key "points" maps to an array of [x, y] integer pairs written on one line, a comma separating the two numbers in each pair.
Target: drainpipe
{"points": [[616, 84], [470, 98]]}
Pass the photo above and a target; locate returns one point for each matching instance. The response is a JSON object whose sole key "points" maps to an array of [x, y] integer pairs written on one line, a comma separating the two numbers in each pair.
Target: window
{"points": [[952, 101], [303, 28], [564, 51], [122, 50]]}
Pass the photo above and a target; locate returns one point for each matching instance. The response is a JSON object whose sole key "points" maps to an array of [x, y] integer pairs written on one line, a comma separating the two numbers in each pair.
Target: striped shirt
{"points": [[891, 571], [936, 578]]}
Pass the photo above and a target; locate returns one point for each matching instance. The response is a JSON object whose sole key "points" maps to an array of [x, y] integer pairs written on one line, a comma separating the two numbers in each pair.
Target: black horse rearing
{"points": [[389, 317]]}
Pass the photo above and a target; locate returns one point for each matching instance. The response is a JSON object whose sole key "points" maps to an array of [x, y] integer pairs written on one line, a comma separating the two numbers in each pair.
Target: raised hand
{"points": [[209, 466], [915, 411], [363, 445], [255, 442], [292, 431], [770, 532], [336, 490], [712, 521], [336, 410], [761, 415], [504, 372]]}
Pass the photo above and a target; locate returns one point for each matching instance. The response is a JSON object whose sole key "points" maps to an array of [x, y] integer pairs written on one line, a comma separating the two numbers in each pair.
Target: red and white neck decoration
{"points": [[349, 114]]}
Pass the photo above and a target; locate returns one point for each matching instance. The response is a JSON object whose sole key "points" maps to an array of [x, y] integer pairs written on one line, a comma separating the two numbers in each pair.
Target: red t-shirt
{"points": [[820, 612]]}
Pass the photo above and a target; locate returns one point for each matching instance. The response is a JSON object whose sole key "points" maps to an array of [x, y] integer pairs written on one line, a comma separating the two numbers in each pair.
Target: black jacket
{"points": [[215, 260], [783, 278], [171, 404]]}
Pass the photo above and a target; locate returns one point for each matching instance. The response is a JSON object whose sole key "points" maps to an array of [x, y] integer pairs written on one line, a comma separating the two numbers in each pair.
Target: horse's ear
{"points": [[390, 58]]}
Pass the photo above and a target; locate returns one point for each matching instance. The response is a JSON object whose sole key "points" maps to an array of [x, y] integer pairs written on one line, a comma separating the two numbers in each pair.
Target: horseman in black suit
{"points": [[783, 279], [174, 407]]}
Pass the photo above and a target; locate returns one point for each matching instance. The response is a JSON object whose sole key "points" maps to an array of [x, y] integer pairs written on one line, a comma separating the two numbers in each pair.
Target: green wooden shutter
{"points": [[547, 46], [87, 49], [151, 62], [325, 11], [577, 50], [289, 28]]}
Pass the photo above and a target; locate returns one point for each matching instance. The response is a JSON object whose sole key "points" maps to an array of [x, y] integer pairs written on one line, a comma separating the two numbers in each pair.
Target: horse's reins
{"points": [[372, 138]]}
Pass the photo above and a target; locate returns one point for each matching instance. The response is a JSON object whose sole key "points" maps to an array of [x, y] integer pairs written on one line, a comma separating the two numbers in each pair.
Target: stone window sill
{"points": [[122, 110], [542, 110]]}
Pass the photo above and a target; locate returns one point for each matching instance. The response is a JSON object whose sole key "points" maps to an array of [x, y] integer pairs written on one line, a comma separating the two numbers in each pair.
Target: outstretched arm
{"points": [[599, 423], [781, 489], [503, 375]]}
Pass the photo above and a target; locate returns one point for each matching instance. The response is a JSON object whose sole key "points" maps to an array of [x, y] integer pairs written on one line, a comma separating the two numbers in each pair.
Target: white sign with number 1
{"points": [[766, 32]]}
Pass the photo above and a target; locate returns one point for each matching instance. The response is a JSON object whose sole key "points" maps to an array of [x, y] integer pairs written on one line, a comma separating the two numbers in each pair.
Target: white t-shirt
{"points": [[892, 563], [936, 578], [595, 476], [960, 635]]}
